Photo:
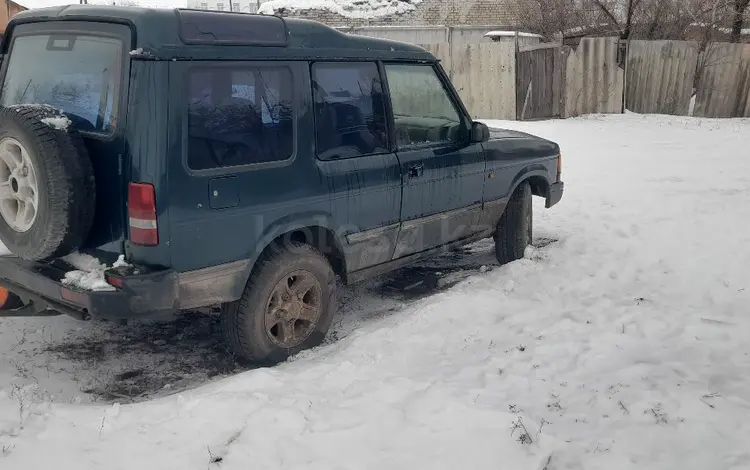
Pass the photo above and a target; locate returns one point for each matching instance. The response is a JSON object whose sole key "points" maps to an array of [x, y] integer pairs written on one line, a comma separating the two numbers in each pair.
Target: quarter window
{"points": [[239, 116], [423, 112], [349, 110]]}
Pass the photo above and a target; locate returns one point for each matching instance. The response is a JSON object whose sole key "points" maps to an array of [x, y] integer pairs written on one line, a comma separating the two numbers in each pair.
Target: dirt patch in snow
{"points": [[138, 361]]}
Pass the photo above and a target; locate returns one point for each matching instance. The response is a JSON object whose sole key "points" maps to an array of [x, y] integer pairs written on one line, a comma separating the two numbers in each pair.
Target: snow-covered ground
{"points": [[621, 341]]}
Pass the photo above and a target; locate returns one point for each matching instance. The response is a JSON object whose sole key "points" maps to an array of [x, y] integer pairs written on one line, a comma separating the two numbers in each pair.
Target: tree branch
{"points": [[739, 19], [607, 13]]}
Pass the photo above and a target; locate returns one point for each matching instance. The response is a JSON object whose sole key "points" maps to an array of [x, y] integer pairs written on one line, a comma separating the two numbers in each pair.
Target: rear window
{"points": [[78, 74]]}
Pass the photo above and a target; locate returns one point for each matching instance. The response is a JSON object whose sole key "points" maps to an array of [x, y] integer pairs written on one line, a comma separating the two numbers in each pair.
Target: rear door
{"points": [[81, 68], [442, 171]]}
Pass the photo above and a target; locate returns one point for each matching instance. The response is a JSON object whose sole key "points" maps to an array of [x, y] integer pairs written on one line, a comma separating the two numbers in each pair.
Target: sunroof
{"points": [[210, 27]]}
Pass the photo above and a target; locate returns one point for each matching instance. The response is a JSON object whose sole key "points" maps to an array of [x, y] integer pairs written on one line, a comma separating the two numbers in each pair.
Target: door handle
{"points": [[416, 171]]}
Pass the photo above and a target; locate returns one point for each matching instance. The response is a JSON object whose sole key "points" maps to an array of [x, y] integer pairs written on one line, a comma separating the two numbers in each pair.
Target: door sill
{"points": [[383, 268]]}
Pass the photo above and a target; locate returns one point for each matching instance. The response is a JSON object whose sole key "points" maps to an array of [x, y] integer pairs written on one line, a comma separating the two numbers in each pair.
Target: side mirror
{"points": [[479, 132]]}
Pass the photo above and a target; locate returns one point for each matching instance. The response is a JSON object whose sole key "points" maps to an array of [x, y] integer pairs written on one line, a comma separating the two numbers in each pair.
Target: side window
{"points": [[239, 116], [349, 110], [423, 112]]}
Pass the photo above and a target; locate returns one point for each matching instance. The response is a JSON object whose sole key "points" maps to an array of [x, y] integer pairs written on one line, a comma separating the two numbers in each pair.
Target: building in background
{"points": [[241, 6], [353, 13], [9, 9]]}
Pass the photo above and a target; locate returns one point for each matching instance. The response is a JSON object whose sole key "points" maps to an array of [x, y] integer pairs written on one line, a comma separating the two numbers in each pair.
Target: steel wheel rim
{"points": [[19, 188], [293, 309]]}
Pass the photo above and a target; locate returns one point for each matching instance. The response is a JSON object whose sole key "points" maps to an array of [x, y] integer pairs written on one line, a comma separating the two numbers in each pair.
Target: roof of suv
{"points": [[197, 34]]}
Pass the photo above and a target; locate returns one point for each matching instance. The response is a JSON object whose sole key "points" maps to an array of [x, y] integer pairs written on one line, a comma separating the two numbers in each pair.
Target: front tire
{"points": [[514, 231], [287, 305]]}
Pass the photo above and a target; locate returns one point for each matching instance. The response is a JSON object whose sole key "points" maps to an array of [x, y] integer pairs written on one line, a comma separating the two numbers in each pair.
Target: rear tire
{"points": [[514, 231], [287, 305], [48, 194]]}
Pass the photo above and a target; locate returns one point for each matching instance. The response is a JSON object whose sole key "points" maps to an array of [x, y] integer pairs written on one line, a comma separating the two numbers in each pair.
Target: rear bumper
{"points": [[150, 295], [554, 194]]}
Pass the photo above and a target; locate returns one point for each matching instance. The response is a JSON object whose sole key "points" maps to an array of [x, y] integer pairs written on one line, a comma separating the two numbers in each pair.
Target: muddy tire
{"points": [[287, 305], [513, 232], [47, 192]]}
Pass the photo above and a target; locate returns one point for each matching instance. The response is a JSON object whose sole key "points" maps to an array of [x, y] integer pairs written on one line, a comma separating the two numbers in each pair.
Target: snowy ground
{"points": [[620, 342]]}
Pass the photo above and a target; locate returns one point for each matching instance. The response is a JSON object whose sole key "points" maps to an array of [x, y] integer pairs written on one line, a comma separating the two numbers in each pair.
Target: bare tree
{"points": [[553, 17], [621, 13], [667, 19], [709, 16], [680, 19], [635, 19], [738, 19]]}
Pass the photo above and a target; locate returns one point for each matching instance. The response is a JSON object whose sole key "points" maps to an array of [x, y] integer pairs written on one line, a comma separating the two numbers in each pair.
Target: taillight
{"points": [[142, 214], [114, 281], [4, 295], [559, 166]]}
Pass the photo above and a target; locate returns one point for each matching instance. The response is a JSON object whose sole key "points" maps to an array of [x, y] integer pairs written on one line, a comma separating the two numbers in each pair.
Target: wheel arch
{"points": [[536, 176], [315, 229]]}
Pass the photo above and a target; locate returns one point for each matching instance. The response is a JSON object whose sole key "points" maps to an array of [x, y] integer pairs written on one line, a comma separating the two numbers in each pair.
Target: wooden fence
{"points": [[483, 74], [595, 79], [601, 75], [664, 76], [556, 81], [540, 82], [660, 76], [495, 80], [723, 89]]}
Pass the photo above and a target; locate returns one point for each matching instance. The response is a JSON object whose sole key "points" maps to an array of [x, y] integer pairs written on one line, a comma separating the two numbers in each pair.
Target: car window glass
{"points": [[423, 112], [349, 110], [77, 74], [239, 116]]}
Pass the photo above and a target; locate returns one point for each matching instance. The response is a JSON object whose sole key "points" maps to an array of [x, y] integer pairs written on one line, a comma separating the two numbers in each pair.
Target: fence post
{"points": [[449, 37], [626, 57]]}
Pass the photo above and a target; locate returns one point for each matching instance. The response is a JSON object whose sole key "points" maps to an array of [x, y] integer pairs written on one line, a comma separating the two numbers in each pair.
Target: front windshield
{"points": [[75, 73]]}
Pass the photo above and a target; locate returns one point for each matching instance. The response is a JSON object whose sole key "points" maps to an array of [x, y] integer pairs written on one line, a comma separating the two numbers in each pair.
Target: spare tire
{"points": [[47, 192]]}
